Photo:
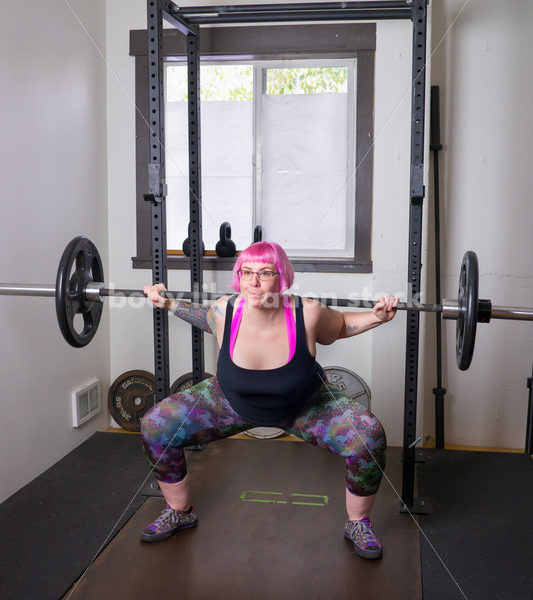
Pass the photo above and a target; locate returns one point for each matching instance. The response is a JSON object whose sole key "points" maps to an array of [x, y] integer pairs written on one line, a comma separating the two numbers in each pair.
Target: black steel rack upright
{"points": [[189, 20]]}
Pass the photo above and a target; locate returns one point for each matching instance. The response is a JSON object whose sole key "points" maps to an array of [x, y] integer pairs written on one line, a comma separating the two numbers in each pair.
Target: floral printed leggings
{"points": [[329, 420]]}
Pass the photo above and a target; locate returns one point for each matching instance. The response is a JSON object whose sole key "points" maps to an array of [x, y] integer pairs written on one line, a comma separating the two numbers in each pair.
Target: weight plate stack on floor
{"points": [[184, 382], [350, 383], [131, 395], [264, 433]]}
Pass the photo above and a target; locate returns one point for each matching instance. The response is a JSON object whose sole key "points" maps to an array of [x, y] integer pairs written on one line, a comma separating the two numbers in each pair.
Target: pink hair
{"points": [[265, 252]]}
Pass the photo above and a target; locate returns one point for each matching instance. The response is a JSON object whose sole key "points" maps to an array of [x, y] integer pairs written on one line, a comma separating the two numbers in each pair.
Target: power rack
{"points": [[189, 21]]}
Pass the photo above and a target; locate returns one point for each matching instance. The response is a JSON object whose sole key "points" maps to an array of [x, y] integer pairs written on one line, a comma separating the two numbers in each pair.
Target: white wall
{"points": [[53, 165], [390, 224], [483, 68]]}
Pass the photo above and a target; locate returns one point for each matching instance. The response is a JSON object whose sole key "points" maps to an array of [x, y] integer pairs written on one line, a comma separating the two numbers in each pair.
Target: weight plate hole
{"points": [[79, 323]]}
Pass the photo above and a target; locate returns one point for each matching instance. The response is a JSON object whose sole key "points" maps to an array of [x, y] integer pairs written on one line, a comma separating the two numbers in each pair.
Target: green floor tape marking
{"points": [[244, 497], [269, 501]]}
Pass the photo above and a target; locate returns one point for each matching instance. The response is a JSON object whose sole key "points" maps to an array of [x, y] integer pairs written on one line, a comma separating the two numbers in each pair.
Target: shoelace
{"points": [[167, 513], [365, 534]]}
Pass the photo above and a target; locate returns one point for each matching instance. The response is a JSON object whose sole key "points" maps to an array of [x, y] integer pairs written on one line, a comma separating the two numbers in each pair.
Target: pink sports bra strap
{"points": [[235, 324], [289, 320], [291, 329]]}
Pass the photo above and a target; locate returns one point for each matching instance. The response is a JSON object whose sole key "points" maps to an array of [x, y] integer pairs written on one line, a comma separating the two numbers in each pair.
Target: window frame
{"points": [[257, 43]]}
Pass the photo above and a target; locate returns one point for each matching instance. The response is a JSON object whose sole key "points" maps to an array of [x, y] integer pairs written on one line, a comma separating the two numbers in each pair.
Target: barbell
{"points": [[79, 290]]}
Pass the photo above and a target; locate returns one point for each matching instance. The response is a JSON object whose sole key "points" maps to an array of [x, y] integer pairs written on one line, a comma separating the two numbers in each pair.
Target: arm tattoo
{"points": [[211, 317], [198, 315], [352, 328]]}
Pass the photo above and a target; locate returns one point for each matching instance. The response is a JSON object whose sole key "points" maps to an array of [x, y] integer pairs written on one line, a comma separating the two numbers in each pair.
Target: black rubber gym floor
{"points": [[478, 544], [480, 525]]}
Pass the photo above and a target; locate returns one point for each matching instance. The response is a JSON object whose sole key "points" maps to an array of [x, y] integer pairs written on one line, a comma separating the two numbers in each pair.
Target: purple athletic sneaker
{"points": [[168, 522], [365, 542]]}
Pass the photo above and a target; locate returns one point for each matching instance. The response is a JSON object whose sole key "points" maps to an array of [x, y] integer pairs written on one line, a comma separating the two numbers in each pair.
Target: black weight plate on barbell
{"points": [[467, 304], [184, 382], [130, 396], [70, 290]]}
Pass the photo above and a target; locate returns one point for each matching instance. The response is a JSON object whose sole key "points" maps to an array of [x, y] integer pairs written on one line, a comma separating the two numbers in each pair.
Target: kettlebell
{"points": [[225, 246], [187, 244]]}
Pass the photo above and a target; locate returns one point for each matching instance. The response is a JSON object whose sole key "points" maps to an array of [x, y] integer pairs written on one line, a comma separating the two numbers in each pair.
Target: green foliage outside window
{"points": [[235, 82], [307, 80]]}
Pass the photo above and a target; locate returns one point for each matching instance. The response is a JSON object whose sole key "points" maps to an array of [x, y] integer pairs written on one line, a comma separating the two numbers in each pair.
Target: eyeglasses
{"points": [[262, 275]]}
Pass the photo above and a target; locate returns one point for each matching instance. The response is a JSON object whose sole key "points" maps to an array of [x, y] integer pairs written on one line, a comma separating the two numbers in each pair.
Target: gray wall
{"points": [[53, 165]]}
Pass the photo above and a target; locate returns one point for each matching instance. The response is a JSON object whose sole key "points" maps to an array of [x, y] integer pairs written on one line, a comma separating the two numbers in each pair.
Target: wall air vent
{"points": [[86, 402]]}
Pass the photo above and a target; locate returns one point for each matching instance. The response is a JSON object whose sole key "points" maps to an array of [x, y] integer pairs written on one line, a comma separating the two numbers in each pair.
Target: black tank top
{"points": [[269, 397]]}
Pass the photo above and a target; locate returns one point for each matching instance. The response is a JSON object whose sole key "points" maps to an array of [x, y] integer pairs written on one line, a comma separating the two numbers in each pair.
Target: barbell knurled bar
{"points": [[80, 290]]}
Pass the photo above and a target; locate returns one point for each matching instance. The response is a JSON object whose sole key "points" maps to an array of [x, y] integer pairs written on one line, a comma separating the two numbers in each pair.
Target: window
{"points": [[227, 121], [285, 143], [277, 151]]}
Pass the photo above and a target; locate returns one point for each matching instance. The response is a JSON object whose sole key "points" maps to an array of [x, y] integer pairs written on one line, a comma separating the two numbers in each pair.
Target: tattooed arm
{"points": [[358, 322], [330, 325], [200, 315]]}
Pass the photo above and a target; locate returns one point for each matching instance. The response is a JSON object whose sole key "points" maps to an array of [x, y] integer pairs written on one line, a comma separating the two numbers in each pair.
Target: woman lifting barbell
{"points": [[267, 375]]}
